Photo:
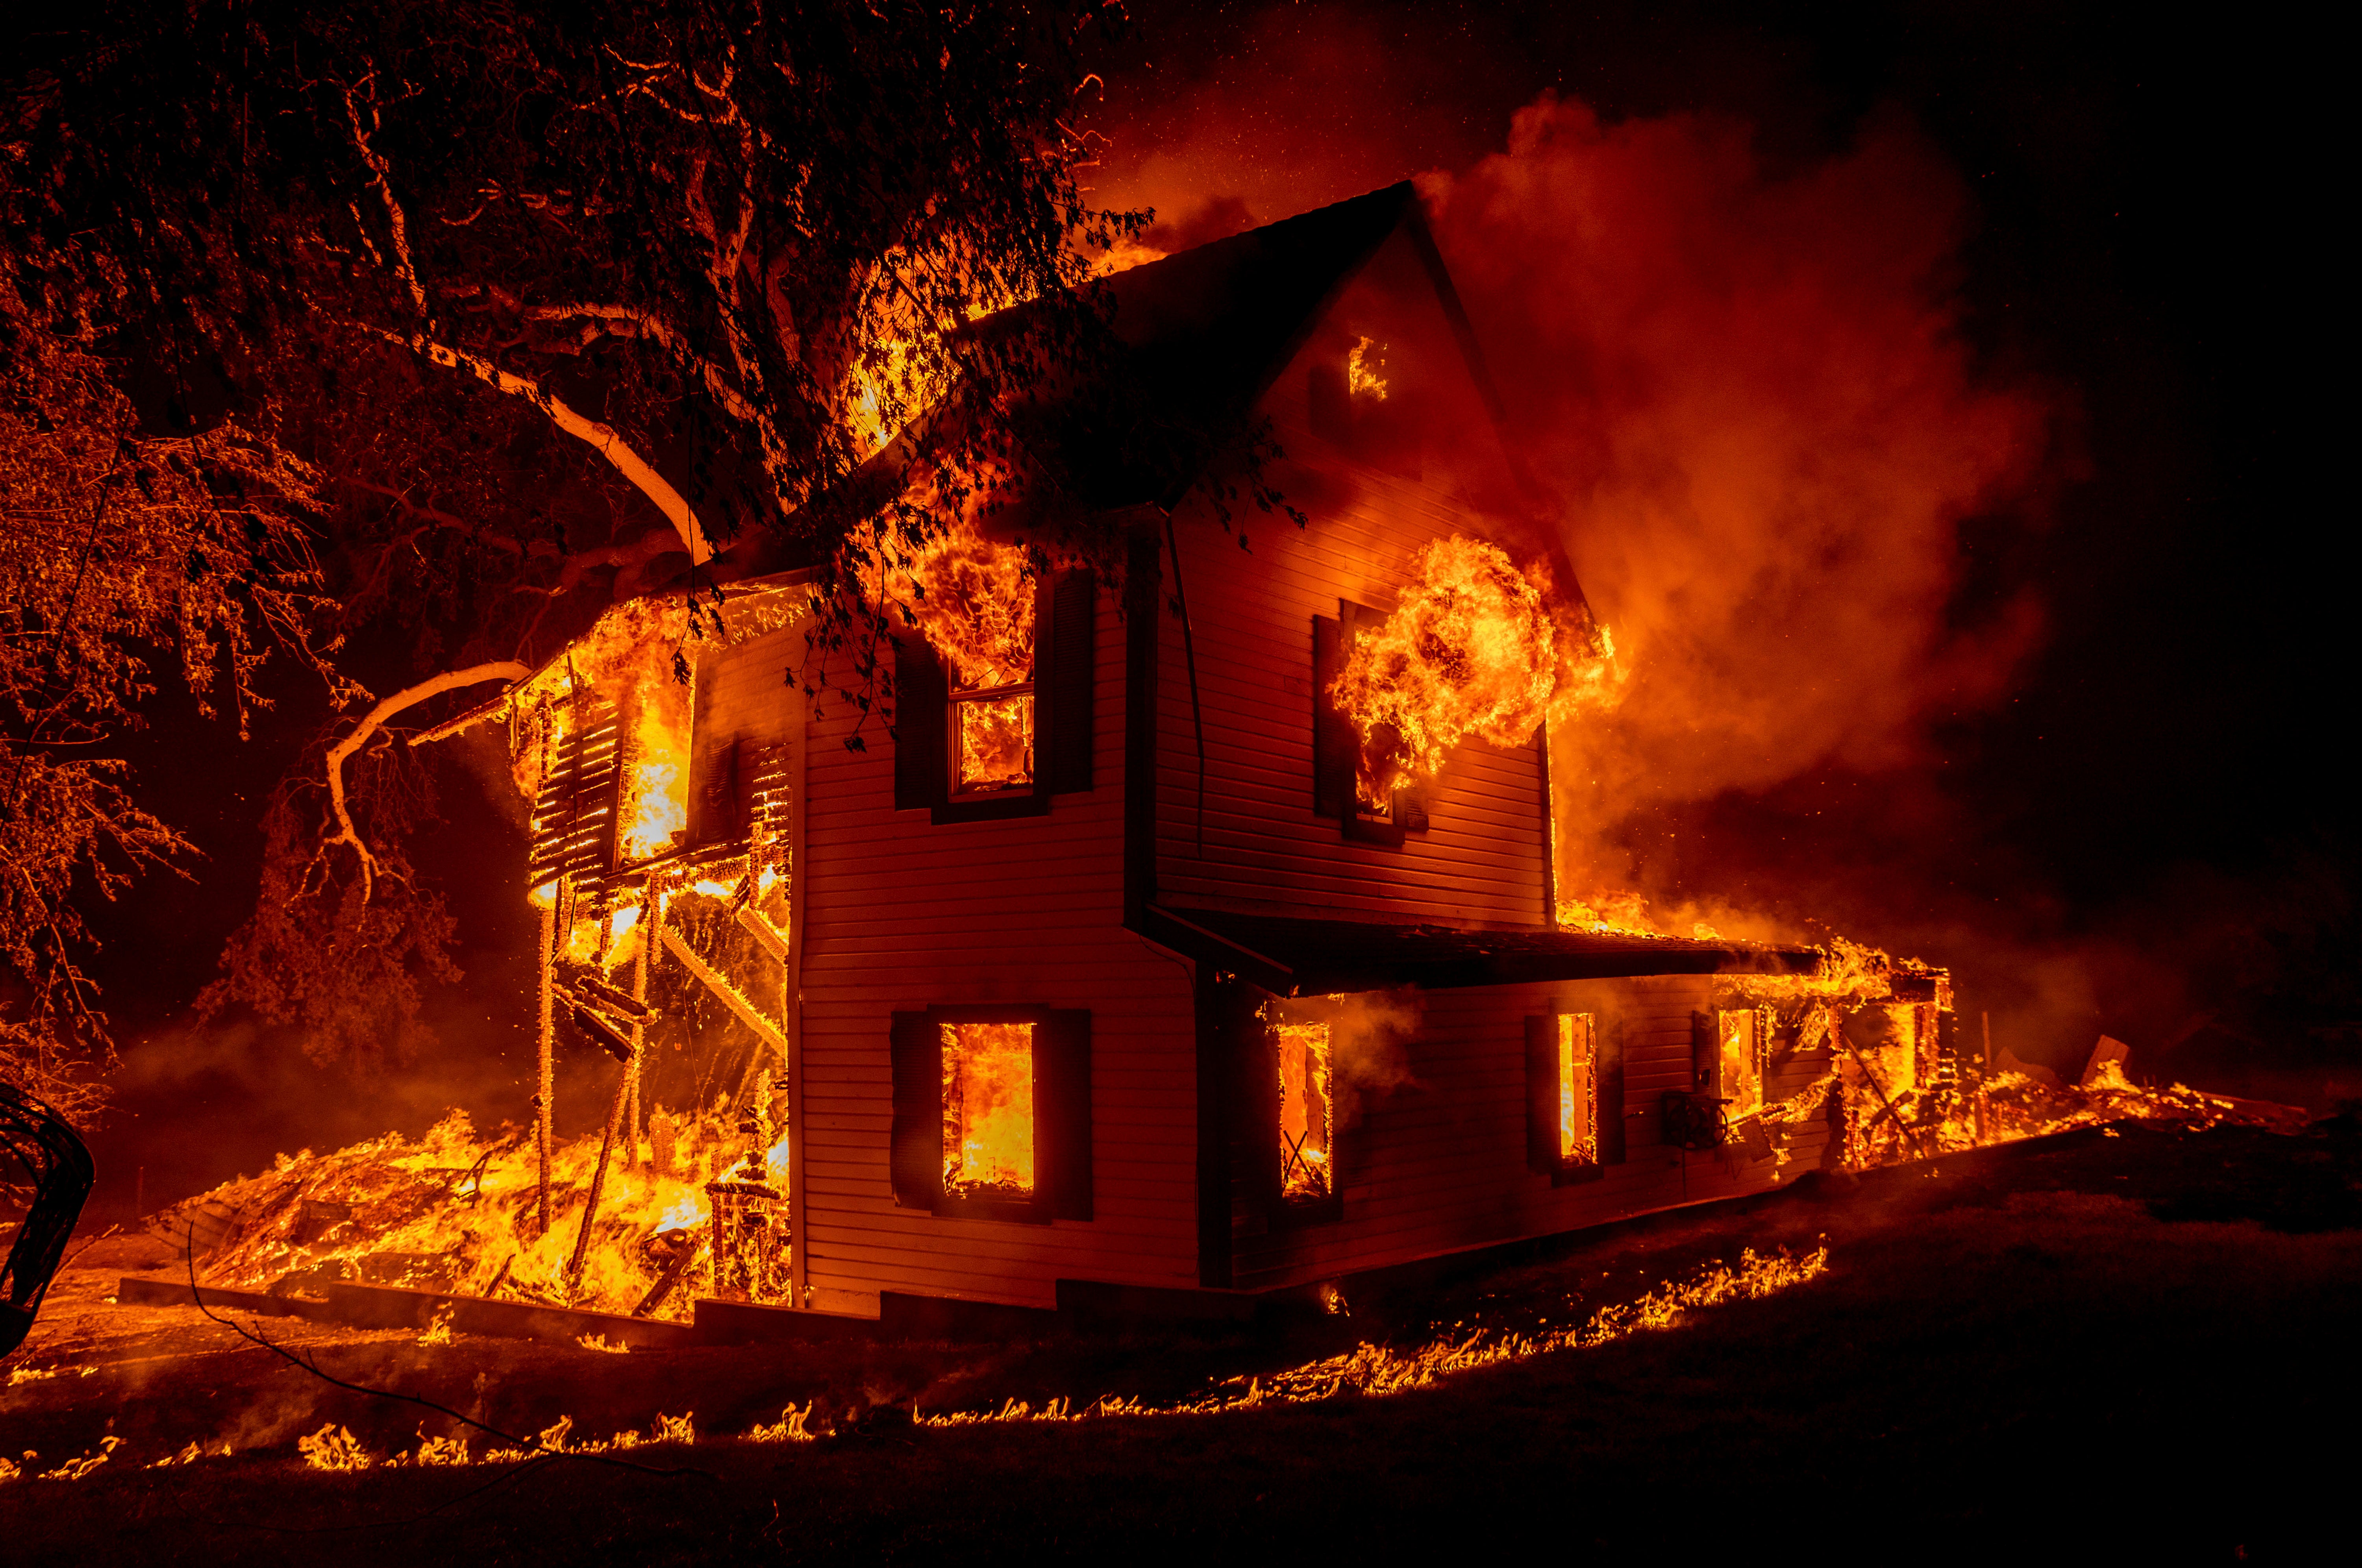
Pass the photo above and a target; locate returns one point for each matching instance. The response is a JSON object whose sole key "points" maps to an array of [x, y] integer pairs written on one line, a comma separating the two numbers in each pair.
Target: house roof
{"points": [[1198, 337], [1320, 957]]}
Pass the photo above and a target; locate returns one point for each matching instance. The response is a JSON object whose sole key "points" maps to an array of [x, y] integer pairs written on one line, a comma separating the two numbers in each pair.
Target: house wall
{"points": [[898, 913], [1438, 1163], [1253, 841]]}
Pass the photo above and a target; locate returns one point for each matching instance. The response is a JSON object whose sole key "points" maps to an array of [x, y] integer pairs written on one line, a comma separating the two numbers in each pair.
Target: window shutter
{"points": [[1410, 809], [1332, 735], [1063, 680], [918, 1146], [919, 699], [1608, 1041], [1062, 1107], [1541, 1094]]}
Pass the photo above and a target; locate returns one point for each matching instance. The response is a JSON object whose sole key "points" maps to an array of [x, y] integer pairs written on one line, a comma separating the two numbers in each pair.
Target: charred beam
{"points": [[748, 1013]]}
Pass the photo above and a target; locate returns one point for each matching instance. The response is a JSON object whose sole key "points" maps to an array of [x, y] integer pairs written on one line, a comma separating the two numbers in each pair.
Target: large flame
{"points": [[455, 1210], [973, 601], [1472, 649], [989, 1108], [1306, 1122]]}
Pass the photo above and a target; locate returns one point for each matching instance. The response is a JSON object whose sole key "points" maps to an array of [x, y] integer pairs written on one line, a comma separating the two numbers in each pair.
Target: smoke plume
{"points": [[1748, 396]]}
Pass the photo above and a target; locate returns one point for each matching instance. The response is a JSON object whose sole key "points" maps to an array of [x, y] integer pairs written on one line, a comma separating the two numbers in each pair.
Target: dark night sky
{"points": [[2148, 237]]}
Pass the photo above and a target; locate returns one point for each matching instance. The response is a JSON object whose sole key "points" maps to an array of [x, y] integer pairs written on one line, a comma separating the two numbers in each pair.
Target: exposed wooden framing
{"points": [[762, 931], [651, 919], [748, 1013], [599, 1178], [547, 1065]]}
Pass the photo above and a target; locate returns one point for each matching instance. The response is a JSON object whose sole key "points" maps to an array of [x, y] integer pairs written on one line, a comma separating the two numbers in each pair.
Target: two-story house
{"points": [[1101, 977]]}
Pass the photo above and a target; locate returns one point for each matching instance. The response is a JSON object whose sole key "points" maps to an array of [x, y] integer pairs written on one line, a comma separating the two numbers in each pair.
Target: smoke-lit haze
{"points": [[1746, 392]]}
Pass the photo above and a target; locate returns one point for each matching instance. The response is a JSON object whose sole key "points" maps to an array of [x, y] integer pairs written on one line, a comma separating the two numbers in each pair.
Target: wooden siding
{"points": [[900, 913], [1254, 843], [1439, 1164]]}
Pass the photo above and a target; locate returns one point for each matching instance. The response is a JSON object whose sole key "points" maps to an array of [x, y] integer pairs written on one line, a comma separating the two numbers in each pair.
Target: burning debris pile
{"points": [[455, 1212]]}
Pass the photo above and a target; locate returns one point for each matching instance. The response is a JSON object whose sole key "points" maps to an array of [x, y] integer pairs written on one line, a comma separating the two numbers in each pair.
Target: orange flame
{"points": [[1472, 649], [973, 601], [1305, 1120], [989, 1108]]}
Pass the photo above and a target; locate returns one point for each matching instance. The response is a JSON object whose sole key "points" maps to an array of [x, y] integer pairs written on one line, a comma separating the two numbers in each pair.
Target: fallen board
{"points": [[141, 1290], [388, 1307]]}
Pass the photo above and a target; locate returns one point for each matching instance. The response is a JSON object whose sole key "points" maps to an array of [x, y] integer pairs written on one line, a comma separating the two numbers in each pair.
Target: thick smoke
{"points": [[1747, 395]]}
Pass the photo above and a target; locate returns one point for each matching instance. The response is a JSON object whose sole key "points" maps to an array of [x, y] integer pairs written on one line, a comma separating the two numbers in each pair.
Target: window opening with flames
{"points": [[1306, 1116], [1742, 1039], [975, 602], [1578, 1090], [988, 1110]]}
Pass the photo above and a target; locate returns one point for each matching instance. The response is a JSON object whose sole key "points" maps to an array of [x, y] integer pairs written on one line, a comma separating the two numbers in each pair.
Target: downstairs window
{"points": [[1306, 1118], [1574, 1089], [992, 1111]]}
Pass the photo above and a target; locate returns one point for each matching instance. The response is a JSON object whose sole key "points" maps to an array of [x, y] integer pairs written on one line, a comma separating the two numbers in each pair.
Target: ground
{"points": [[2132, 1341]]}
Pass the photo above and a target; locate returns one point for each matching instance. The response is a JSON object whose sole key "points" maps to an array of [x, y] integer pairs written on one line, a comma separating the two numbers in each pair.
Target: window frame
{"points": [[1282, 1212], [926, 713], [1336, 750], [1609, 1142], [1062, 1113]]}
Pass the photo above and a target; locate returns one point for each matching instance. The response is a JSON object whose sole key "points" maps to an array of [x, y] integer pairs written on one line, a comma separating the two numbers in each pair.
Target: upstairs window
{"points": [[1342, 787], [1574, 1089], [992, 705]]}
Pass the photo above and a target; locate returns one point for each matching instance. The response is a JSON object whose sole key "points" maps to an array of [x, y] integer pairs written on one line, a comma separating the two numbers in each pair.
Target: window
{"points": [[1578, 1101], [992, 1112], [1574, 1081], [990, 740], [999, 746], [1339, 789], [1306, 1118], [1734, 1072]]}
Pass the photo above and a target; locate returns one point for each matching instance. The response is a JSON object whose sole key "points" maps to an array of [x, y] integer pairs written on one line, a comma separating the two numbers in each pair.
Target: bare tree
{"points": [[555, 308]]}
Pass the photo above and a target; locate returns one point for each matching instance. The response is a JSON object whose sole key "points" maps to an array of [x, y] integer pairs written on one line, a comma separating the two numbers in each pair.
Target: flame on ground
{"points": [[454, 1212]]}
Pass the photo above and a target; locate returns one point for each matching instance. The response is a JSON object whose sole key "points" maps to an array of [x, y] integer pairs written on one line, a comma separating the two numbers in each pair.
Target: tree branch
{"points": [[379, 180], [409, 697], [627, 462]]}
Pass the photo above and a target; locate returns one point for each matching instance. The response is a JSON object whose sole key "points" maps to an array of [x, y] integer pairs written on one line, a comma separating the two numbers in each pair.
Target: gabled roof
{"points": [[1321, 957], [1200, 336]]}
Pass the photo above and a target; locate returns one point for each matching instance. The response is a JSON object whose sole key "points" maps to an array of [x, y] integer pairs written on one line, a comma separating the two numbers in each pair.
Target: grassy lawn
{"points": [[2130, 1344]]}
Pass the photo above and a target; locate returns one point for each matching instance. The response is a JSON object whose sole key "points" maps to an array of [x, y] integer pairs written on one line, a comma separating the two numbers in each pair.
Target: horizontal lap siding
{"points": [[1440, 1163], [1254, 843], [902, 914]]}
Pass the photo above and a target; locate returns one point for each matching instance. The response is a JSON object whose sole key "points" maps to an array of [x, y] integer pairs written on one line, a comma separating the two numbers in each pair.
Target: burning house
{"points": [[1201, 940]]}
